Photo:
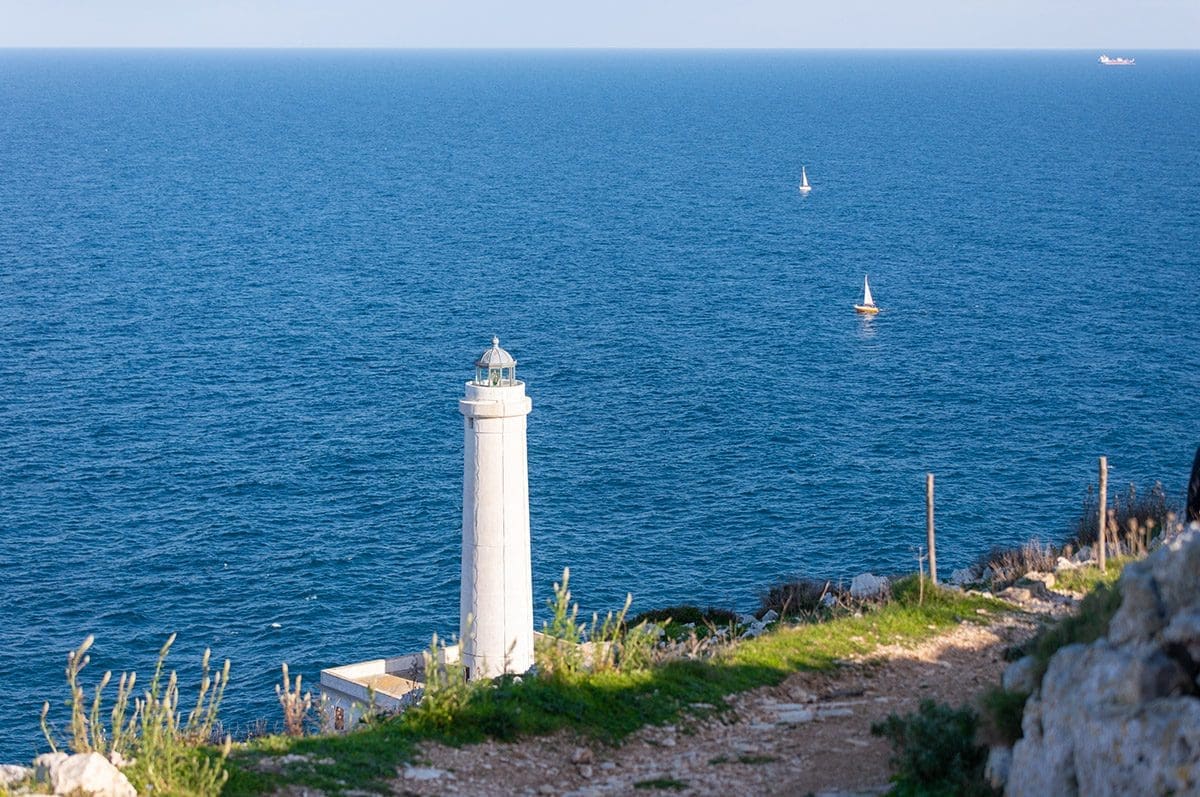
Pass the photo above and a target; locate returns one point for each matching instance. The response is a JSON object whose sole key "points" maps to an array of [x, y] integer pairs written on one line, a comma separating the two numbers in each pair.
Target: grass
{"points": [[607, 705], [1085, 579], [661, 783]]}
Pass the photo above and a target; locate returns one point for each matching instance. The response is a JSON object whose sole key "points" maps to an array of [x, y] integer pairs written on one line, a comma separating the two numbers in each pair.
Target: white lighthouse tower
{"points": [[496, 614]]}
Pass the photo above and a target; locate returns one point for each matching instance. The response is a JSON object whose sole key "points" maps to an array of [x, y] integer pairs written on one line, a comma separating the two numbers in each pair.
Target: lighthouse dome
{"points": [[495, 367]]}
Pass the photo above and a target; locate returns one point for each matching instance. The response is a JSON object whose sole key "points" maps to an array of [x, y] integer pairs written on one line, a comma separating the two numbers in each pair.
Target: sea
{"points": [[240, 292]]}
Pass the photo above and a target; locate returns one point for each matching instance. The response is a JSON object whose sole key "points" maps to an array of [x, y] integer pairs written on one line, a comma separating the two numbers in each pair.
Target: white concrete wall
{"points": [[496, 614]]}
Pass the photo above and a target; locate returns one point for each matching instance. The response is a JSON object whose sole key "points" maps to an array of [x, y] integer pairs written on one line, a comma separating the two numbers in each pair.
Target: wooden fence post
{"points": [[929, 528], [1102, 537]]}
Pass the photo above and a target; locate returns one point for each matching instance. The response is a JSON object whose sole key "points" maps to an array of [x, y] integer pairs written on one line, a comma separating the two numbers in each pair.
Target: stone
{"points": [[770, 616], [1140, 616], [581, 755], [422, 773], [13, 773], [1184, 630], [1020, 676], [796, 717], [828, 600], [1035, 577], [89, 774], [585, 771], [45, 765], [867, 585], [1122, 715], [1064, 564], [1083, 555], [999, 762], [963, 576]]}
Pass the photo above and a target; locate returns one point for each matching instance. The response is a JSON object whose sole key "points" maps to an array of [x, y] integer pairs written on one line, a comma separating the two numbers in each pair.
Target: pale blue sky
{"points": [[1115, 25]]}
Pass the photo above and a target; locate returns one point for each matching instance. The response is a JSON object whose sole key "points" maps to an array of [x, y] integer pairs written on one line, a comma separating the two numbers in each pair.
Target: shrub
{"points": [[167, 753], [934, 752], [801, 596], [1009, 564], [1001, 713], [1134, 519]]}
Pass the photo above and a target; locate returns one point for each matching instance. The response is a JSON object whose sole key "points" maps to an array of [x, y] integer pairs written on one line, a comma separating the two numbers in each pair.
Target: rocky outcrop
{"points": [[1122, 715], [868, 585], [88, 774]]}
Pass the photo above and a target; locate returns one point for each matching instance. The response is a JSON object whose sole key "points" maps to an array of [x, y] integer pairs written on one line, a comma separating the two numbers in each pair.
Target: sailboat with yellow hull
{"points": [[868, 303]]}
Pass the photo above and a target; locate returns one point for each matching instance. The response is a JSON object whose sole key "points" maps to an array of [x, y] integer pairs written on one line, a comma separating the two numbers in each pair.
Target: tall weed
{"points": [[165, 751]]}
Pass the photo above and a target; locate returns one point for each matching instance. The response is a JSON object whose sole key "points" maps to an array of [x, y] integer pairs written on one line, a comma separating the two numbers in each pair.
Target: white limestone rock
{"points": [[13, 773], [1020, 676], [88, 774], [770, 616], [1122, 715], [867, 585], [1064, 564], [999, 763]]}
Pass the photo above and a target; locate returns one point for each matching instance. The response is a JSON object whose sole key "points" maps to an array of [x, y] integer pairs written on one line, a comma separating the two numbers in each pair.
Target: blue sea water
{"points": [[240, 292]]}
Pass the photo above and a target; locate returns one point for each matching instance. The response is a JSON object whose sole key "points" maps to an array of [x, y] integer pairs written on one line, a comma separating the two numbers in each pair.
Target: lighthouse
{"points": [[496, 610]]}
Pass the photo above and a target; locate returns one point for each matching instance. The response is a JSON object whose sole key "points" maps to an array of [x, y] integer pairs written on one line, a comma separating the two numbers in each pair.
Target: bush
{"points": [[802, 596], [1134, 519], [934, 752], [1009, 564], [1000, 716]]}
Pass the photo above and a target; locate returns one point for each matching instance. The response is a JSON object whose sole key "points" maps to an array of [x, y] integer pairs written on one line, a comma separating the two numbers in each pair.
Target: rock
{"points": [[45, 765], [963, 576], [795, 717], [1184, 630], [867, 585], [770, 616], [585, 771], [988, 575], [999, 762], [1020, 676], [12, 773], [747, 619], [581, 755], [828, 600], [1140, 617], [422, 773], [1063, 564], [89, 774], [1121, 715], [755, 629], [1034, 577], [1083, 555]]}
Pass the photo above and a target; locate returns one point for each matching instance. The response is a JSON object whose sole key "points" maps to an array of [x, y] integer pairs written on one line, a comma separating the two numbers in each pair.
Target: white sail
{"points": [[803, 178], [867, 300]]}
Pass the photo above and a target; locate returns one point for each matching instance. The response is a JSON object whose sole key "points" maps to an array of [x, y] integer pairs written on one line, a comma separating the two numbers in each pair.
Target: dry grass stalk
{"points": [[296, 706]]}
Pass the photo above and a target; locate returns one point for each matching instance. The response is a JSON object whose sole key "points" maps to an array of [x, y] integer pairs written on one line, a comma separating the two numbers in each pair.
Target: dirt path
{"points": [[810, 734]]}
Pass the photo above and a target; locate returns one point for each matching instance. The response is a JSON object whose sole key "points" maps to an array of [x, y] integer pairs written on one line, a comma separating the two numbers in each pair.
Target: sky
{"points": [[1110, 25]]}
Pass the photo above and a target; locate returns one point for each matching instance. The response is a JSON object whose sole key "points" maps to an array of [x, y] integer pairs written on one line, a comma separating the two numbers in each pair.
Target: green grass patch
{"points": [[1088, 577], [606, 706], [670, 784]]}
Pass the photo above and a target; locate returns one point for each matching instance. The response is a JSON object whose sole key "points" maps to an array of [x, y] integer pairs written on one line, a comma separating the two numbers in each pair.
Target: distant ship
{"points": [[868, 304], [1104, 59], [804, 186]]}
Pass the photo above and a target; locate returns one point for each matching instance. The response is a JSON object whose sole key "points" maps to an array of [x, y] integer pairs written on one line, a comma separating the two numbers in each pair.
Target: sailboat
{"points": [[804, 186], [868, 304]]}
